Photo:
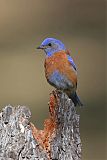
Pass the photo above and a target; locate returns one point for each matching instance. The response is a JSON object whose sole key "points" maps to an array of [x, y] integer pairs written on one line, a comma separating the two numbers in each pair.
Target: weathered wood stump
{"points": [[60, 139]]}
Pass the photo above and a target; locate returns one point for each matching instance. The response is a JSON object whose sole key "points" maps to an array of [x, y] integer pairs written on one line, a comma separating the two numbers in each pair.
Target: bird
{"points": [[60, 69]]}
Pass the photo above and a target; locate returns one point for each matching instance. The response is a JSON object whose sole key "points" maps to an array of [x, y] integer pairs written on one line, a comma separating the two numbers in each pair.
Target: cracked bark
{"points": [[59, 140]]}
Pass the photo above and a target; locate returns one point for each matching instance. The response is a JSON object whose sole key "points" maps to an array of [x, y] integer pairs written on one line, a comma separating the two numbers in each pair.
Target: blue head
{"points": [[51, 45]]}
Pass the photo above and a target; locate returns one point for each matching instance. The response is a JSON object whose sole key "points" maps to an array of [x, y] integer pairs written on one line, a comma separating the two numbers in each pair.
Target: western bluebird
{"points": [[60, 69]]}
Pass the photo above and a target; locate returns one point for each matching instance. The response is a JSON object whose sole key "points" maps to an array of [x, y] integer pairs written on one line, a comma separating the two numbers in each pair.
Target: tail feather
{"points": [[76, 99]]}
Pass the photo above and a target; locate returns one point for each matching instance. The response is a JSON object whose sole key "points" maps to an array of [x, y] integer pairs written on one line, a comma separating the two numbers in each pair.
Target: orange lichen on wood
{"points": [[44, 137]]}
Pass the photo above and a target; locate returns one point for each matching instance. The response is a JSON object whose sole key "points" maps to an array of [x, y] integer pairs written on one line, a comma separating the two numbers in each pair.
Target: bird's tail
{"points": [[76, 99]]}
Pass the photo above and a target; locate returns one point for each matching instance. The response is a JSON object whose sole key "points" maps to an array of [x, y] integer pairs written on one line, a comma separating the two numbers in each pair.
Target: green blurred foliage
{"points": [[80, 24]]}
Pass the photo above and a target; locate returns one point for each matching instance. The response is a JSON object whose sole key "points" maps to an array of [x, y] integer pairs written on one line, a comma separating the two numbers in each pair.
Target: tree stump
{"points": [[59, 140]]}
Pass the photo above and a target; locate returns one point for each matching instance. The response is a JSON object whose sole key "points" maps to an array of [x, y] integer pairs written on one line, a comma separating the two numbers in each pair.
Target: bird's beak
{"points": [[41, 47]]}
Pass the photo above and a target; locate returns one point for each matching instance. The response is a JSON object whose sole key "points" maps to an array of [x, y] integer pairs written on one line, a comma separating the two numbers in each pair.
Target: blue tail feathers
{"points": [[76, 99]]}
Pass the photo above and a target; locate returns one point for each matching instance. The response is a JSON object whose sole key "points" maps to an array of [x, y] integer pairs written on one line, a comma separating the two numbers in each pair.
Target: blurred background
{"points": [[80, 24]]}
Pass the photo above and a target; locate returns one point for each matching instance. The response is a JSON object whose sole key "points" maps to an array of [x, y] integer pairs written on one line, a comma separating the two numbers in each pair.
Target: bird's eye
{"points": [[50, 44]]}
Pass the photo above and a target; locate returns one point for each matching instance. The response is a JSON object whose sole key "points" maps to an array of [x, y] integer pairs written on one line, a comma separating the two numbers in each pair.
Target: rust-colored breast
{"points": [[59, 62]]}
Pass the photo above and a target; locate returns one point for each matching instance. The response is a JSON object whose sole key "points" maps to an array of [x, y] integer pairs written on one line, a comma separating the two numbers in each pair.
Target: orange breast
{"points": [[59, 61]]}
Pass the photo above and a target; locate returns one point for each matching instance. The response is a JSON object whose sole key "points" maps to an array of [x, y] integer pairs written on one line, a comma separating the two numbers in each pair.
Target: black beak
{"points": [[41, 47]]}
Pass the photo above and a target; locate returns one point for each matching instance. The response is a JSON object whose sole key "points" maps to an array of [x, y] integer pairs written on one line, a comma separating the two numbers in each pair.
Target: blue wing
{"points": [[72, 62]]}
